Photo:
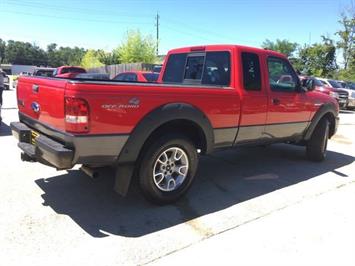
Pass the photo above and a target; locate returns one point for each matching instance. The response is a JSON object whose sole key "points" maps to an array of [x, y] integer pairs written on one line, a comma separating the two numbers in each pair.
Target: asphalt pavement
{"points": [[249, 206]]}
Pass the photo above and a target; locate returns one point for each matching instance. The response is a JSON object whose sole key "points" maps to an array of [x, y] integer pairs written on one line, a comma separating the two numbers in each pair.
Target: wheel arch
{"points": [[325, 111], [168, 116], [181, 118]]}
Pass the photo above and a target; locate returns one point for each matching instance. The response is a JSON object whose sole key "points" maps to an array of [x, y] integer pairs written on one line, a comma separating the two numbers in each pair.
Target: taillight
{"points": [[77, 115]]}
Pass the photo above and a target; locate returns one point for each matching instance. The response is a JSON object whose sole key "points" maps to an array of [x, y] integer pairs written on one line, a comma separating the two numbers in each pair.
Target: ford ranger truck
{"points": [[207, 98]]}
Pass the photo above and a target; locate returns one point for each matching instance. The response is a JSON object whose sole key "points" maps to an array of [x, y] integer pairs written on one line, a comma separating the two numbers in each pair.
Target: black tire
{"points": [[149, 160], [317, 146]]}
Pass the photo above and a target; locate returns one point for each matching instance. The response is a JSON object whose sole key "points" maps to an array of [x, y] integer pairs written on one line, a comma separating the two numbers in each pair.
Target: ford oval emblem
{"points": [[35, 107], [134, 101]]}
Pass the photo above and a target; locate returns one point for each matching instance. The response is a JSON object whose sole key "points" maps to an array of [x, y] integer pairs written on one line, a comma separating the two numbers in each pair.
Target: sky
{"points": [[104, 24]]}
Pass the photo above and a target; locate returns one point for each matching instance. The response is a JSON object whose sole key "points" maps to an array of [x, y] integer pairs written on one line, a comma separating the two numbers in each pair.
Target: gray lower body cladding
{"points": [[62, 150]]}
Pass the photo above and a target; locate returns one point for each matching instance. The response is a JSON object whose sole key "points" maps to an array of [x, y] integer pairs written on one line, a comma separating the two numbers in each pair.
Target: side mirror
{"points": [[310, 85], [300, 86]]}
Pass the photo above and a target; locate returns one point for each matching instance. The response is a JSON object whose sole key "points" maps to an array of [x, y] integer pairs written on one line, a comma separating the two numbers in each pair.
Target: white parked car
{"points": [[342, 92], [350, 88]]}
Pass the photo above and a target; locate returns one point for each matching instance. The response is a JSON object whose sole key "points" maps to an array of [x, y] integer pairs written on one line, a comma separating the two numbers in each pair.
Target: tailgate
{"points": [[42, 99]]}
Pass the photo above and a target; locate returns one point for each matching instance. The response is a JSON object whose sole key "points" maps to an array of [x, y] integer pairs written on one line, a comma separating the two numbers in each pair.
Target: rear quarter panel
{"points": [[112, 113]]}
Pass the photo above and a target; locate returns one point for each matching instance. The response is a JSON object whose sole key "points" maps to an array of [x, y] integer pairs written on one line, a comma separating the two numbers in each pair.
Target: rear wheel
{"points": [[317, 146], [167, 168]]}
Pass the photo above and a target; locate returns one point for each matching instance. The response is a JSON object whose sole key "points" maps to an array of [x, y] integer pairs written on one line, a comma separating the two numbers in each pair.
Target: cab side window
{"points": [[281, 75], [217, 69], [251, 72], [210, 68]]}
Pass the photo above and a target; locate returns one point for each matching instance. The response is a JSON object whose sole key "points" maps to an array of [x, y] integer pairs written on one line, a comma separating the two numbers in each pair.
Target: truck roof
{"points": [[219, 47]]}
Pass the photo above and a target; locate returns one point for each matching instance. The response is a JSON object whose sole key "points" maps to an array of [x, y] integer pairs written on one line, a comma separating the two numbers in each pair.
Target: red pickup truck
{"points": [[206, 98], [68, 71]]}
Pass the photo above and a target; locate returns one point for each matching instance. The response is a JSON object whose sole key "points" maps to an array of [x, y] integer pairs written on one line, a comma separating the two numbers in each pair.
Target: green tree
{"points": [[318, 59], [71, 56], [347, 37], [137, 49], [24, 53], [91, 59], [2, 50], [282, 46], [108, 58], [53, 56]]}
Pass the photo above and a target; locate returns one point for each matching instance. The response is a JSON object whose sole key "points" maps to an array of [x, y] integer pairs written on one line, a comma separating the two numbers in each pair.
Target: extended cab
{"points": [[207, 98]]}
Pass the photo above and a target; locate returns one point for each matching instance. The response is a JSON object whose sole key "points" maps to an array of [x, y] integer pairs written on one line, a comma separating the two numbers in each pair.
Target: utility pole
{"points": [[157, 26]]}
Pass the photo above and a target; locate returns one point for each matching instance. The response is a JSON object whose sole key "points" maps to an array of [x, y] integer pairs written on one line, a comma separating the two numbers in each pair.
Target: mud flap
{"points": [[123, 177]]}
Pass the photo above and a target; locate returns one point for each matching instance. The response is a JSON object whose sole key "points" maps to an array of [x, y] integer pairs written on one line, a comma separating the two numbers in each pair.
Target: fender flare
{"points": [[153, 120], [158, 117], [321, 112]]}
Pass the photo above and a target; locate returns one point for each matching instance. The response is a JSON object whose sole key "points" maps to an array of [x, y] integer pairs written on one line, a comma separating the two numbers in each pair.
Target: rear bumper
{"points": [[44, 149], [62, 150]]}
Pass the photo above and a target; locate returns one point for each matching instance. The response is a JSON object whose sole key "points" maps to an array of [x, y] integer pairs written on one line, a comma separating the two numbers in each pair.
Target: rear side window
{"points": [[251, 72], [211, 68], [174, 71], [217, 69]]}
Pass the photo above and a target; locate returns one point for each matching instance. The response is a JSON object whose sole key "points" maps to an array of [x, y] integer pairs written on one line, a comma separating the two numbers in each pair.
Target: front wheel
{"points": [[317, 146], [167, 168]]}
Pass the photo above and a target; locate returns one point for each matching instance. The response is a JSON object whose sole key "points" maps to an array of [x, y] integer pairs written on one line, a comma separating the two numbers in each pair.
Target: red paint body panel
{"points": [[253, 103], [112, 113], [222, 107]]}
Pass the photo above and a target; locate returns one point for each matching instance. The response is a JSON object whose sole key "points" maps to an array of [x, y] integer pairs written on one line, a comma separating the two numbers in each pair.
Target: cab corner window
{"points": [[251, 71], [281, 75]]}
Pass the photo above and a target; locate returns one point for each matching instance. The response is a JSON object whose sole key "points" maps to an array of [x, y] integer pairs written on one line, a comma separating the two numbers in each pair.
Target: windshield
{"points": [[44, 73], [73, 70], [351, 86], [334, 84]]}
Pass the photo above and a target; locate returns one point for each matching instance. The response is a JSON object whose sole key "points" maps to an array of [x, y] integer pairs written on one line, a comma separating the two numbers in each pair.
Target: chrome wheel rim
{"points": [[170, 169]]}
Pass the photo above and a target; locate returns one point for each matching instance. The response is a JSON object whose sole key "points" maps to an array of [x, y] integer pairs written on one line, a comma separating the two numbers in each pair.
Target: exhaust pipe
{"points": [[90, 172]]}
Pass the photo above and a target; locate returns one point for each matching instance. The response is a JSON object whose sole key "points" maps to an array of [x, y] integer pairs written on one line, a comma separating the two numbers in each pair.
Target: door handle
{"points": [[35, 88], [275, 101]]}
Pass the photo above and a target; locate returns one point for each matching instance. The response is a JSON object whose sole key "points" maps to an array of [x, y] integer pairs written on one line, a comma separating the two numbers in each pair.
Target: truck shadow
{"points": [[224, 179]]}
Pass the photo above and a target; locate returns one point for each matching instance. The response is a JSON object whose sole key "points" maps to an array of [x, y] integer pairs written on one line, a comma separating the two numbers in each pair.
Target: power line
{"points": [[76, 19], [188, 33], [202, 30], [72, 9]]}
